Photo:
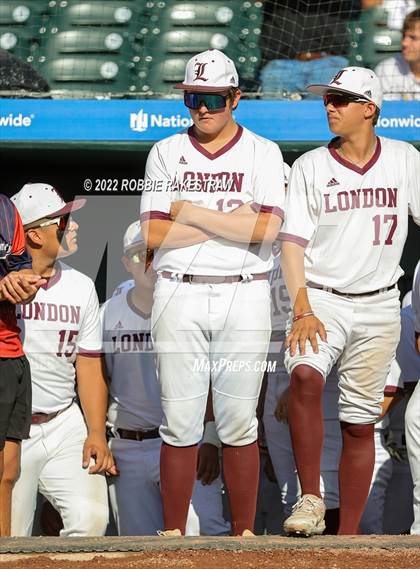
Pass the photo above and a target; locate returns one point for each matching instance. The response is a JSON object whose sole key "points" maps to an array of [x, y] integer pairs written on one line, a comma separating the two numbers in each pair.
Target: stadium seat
{"points": [[89, 40], [88, 73], [24, 14], [159, 75], [230, 13], [18, 41], [370, 39], [121, 13]]}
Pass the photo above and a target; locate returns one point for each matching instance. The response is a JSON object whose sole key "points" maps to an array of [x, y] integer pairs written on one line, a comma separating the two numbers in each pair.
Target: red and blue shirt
{"points": [[13, 257]]}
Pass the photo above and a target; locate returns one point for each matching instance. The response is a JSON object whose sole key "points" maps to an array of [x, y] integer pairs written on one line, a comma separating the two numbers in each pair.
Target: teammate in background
{"points": [[135, 412], [18, 283], [65, 459], [212, 297], [347, 216], [400, 74], [412, 415]]}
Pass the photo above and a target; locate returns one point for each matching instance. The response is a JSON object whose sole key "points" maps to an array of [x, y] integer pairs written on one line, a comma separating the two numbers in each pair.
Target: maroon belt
{"points": [[215, 279], [40, 418]]}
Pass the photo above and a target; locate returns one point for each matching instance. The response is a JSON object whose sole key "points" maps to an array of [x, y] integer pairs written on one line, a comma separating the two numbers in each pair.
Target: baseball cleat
{"points": [[169, 533], [307, 518], [247, 533]]}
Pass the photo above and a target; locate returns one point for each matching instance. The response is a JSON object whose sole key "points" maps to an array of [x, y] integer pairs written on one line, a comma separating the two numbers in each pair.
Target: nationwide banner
{"points": [[151, 120]]}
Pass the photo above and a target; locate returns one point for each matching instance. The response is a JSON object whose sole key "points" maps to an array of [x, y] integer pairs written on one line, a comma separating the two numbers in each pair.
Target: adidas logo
{"points": [[333, 182], [118, 325], [182, 160]]}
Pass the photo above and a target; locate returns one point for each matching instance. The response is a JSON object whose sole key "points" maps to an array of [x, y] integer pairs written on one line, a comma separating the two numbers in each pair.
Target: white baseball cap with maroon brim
{"points": [[357, 81], [39, 201], [210, 71]]}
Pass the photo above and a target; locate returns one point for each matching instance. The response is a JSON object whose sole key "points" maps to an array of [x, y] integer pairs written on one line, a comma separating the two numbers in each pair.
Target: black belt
{"points": [[134, 435], [214, 279], [350, 294]]}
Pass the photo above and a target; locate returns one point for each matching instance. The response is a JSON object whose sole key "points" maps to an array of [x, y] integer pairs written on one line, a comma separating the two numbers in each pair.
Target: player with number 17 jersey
{"points": [[345, 205]]}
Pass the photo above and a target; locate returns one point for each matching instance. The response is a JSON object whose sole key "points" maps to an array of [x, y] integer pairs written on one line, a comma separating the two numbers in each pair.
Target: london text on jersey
{"points": [[50, 312], [361, 199], [132, 342], [209, 182]]}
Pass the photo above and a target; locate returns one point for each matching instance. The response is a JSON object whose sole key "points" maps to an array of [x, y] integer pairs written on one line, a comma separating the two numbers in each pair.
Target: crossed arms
{"points": [[190, 224]]}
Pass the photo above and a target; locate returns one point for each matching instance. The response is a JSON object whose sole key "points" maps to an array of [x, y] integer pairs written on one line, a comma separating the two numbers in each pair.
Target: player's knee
{"points": [[238, 434], [89, 519], [305, 380]]}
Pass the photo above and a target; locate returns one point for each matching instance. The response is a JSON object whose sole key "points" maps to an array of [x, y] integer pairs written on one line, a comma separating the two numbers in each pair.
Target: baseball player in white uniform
{"points": [[412, 415], [211, 213], [278, 435], [64, 458], [135, 411], [346, 223]]}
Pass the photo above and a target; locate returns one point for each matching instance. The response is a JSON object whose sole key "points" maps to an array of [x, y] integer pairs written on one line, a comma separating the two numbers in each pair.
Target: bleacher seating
{"points": [[371, 40], [143, 45]]}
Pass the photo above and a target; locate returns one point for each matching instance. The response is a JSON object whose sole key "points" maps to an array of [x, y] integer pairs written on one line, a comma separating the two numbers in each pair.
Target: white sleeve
{"points": [[301, 209], [415, 298], [269, 194], [394, 380], [89, 339], [413, 181], [155, 200]]}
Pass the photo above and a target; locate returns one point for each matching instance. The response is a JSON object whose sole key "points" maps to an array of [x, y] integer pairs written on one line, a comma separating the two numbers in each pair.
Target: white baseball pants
{"points": [[362, 336], [52, 463], [412, 434], [135, 494], [218, 333]]}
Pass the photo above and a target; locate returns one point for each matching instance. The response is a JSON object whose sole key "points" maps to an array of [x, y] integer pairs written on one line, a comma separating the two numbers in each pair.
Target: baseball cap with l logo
{"points": [[358, 81], [37, 201], [209, 72]]}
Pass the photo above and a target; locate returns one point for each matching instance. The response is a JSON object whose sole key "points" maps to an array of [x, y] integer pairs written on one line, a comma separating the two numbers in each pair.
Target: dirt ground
{"points": [[213, 559]]}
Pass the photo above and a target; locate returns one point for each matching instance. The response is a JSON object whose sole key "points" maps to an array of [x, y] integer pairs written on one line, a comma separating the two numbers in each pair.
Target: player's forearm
{"points": [[293, 270], [244, 228], [168, 234], [93, 392]]}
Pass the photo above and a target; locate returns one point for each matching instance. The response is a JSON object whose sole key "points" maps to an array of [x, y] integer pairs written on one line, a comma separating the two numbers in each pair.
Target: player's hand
{"points": [[180, 211], [18, 287], [208, 468], [96, 447], [280, 411], [418, 342], [307, 328]]}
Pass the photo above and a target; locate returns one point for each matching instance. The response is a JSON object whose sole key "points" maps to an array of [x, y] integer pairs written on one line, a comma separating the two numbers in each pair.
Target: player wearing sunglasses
{"points": [[62, 338], [346, 223], [212, 233]]}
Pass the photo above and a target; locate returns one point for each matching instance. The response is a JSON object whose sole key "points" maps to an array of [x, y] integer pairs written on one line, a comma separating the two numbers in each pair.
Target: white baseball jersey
{"points": [[280, 301], [397, 79], [415, 297], [407, 356], [249, 169], [123, 287], [134, 399], [353, 221], [61, 322]]}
